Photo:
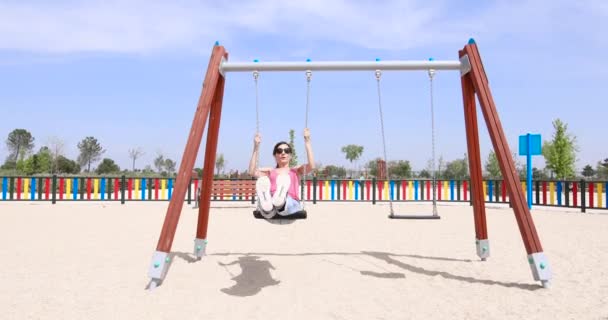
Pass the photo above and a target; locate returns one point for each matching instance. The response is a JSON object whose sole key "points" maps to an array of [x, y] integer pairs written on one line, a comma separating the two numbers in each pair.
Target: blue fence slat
{"points": [[143, 188], [103, 188], [451, 190], [559, 193], [33, 189], [75, 188], [490, 190], [4, 187], [170, 186], [356, 190], [416, 190], [333, 194]]}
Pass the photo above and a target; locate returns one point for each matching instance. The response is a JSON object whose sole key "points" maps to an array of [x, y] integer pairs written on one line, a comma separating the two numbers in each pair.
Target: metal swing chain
{"points": [[431, 75], [256, 75], [378, 75], [308, 78]]}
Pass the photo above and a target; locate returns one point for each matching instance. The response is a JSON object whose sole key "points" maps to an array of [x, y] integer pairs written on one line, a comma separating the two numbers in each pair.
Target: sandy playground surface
{"points": [[346, 261]]}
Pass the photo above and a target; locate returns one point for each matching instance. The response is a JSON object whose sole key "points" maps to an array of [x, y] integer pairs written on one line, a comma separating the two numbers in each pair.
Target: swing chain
{"points": [[256, 75], [308, 78], [431, 76], [378, 76]]}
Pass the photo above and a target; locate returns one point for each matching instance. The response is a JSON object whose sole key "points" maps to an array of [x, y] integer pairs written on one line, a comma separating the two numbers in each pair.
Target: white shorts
{"points": [[291, 206]]}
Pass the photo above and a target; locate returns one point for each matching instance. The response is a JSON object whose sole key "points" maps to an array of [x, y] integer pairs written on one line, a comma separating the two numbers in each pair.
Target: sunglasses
{"points": [[282, 150]]}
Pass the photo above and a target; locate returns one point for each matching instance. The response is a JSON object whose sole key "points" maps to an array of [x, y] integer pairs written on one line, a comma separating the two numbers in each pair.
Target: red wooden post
{"points": [[472, 134], [176, 203], [89, 188], [477, 78], [465, 191], [368, 186], [344, 187], [210, 155], [129, 188], [503, 190], [380, 189], [428, 190], [404, 189]]}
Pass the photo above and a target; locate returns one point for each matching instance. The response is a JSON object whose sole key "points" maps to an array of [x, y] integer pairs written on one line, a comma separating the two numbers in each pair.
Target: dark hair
{"points": [[276, 146]]}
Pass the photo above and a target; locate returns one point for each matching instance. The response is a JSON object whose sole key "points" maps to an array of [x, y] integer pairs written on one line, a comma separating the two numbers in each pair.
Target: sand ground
{"points": [[346, 261]]}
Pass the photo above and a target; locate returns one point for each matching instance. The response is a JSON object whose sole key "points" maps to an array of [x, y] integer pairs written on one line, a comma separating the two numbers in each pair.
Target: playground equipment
{"points": [[392, 214], [474, 84], [274, 217]]}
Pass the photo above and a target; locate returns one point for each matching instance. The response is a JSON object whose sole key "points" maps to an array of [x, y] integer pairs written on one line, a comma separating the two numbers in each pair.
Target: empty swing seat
{"points": [[294, 216]]}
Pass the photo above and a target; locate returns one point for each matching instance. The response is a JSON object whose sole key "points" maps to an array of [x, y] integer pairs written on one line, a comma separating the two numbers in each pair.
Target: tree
{"points": [[90, 152], [560, 153], [219, 163], [602, 169], [107, 166], [65, 165], [159, 162], [372, 167], [352, 152], [19, 142], [440, 167], [56, 146], [424, 174], [170, 166], [456, 169], [588, 171], [332, 171], [134, 154], [492, 166], [539, 174], [400, 169], [294, 156]]}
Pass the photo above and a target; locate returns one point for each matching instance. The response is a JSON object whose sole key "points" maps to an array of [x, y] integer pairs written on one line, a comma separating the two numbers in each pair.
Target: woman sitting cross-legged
{"points": [[278, 188]]}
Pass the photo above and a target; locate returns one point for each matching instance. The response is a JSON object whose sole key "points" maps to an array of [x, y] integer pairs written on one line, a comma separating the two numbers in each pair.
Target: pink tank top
{"points": [[293, 191]]}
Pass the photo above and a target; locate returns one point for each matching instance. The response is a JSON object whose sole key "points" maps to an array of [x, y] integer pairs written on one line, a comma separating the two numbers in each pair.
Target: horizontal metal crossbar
{"points": [[227, 66]]}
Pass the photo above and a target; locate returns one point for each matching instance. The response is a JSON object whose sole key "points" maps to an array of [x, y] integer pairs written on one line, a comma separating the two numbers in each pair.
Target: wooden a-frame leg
{"points": [[200, 242], [536, 258], [477, 195], [161, 258]]}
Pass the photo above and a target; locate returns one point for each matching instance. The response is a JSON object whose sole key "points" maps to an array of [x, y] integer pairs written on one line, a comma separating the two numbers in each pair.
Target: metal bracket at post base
{"points": [[539, 264], [483, 248], [200, 248], [158, 268]]}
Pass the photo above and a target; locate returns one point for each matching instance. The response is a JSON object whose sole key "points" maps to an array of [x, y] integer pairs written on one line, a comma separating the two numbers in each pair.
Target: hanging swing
{"points": [[274, 217], [392, 214]]}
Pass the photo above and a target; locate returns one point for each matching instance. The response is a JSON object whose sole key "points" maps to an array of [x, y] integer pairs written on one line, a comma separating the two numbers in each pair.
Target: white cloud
{"points": [[149, 26]]}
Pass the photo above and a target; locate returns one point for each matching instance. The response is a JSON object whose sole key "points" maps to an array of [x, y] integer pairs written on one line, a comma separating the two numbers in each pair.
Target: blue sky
{"points": [[130, 74]]}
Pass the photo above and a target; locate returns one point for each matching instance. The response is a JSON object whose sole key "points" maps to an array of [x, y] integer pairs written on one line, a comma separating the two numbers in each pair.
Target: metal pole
{"points": [[226, 66]]}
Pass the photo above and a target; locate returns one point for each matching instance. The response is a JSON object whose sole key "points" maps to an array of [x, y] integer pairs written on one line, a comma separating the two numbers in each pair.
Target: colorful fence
{"points": [[575, 194]]}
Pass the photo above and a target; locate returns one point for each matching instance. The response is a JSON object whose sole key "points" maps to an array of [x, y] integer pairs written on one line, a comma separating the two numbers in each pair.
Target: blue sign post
{"points": [[529, 145]]}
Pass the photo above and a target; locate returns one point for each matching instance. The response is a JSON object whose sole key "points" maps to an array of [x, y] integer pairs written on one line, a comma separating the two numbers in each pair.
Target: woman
{"points": [[278, 188]]}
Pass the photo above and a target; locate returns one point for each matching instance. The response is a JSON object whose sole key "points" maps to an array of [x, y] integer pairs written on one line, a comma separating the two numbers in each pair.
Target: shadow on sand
{"points": [[255, 269]]}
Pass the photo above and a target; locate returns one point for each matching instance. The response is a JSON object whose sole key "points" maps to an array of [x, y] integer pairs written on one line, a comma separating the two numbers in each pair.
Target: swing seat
{"points": [[413, 216], [294, 216]]}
